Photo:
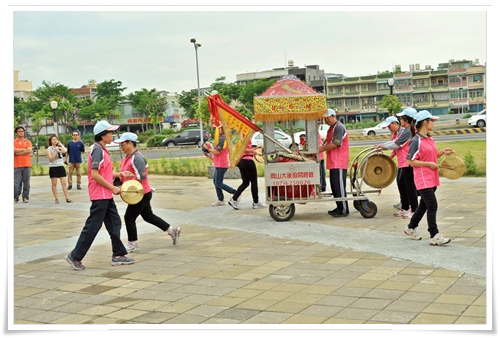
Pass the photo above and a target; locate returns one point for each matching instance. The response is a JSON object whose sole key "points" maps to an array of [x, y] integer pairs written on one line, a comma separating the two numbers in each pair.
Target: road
{"points": [[193, 151]]}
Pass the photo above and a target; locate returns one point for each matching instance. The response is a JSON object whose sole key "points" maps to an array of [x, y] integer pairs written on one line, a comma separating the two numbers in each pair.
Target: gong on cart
{"points": [[132, 192]]}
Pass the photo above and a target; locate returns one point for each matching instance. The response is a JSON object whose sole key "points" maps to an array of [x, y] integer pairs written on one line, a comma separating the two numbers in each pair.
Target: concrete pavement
{"points": [[242, 267]]}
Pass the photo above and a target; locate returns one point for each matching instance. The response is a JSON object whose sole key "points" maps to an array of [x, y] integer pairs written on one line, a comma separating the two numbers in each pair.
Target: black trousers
{"points": [[143, 208], [248, 171], [338, 183], [407, 189], [100, 211], [428, 203]]}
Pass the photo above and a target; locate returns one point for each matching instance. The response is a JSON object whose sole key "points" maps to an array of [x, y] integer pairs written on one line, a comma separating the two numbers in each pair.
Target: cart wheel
{"points": [[368, 209], [357, 204], [282, 213]]}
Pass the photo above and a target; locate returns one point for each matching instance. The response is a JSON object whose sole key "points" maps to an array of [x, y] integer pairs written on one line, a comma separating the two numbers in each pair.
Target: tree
{"points": [[142, 102], [156, 108], [391, 103], [108, 96], [252, 89], [189, 102]]}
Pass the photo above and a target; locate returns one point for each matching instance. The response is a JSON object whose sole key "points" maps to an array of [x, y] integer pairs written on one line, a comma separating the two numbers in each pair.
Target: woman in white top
{"points": [[55, 154]]}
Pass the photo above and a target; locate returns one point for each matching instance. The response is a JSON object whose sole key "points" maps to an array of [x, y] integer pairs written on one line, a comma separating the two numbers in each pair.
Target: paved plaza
{"points": [[242, 267]]}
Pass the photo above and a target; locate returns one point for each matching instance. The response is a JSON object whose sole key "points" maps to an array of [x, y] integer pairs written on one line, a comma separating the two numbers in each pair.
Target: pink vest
{"points": [[105, 168], [338, 157], [425, 177], [221, 160], [128, 164]]}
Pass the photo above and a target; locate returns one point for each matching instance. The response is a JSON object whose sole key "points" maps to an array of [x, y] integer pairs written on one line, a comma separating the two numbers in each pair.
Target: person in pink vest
{"points": [[220, 155], [136, 163], [337, 161], [103, 208], [399, 144], [423, 157]]}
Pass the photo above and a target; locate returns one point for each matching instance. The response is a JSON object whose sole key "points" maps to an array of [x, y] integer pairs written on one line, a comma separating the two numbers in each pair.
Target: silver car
{"points": [[281, 137], [478, 120]]}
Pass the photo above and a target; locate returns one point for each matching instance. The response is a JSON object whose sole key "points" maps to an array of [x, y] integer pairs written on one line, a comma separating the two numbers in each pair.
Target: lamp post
{"points": [[196, 45], [53, 105], [390, 83], [461, 110]]}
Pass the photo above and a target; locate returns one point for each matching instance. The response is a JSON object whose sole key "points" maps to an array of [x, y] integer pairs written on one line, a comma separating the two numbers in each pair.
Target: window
{"points": [[477, 78], [476, 93]]}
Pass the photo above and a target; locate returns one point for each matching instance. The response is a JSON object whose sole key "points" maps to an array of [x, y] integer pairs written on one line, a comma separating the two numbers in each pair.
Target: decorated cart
{"points": [[293, 177]]}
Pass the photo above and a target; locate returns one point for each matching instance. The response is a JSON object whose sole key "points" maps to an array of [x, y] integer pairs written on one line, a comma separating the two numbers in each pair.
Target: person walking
{"points": [[221, 164], [22, 165], [74, 159], [136, 163], [55, 153], [337, 161], [248, 171], [423, 157], [103, 208], [401, 137]]}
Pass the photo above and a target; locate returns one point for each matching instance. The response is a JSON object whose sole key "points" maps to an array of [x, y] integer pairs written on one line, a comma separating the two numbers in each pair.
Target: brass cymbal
{"points": [[452, 167], [132, 192], [379, 171], [258, 155]]}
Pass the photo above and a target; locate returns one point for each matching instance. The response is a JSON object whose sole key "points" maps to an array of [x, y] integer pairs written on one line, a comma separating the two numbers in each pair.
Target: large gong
{"points": [[132, 191], [452, 167], [379, 170]]}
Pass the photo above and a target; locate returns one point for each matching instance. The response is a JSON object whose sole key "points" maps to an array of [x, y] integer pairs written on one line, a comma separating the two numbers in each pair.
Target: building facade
{"points": [[456, 86]]}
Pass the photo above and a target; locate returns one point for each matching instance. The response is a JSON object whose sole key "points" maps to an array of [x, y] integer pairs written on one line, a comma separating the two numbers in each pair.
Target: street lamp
{"points": [[390, 83], [53, 105], [196, 45], [461, 111]]}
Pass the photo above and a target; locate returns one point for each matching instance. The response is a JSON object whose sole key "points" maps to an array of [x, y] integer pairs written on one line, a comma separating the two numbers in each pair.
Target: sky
{"points": [[149, 47]]}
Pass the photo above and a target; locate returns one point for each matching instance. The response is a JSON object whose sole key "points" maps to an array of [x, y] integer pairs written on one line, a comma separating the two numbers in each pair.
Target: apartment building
{"points": [[457, 85]]}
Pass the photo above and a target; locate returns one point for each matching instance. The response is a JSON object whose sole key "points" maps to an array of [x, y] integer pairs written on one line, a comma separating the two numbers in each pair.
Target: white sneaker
{"points": [[175, 234], [407, 214], [439, 240], [258, 205], [218, 203], [132, 247], [413, 234], [234, 204], [397, 206], [399, 213]]}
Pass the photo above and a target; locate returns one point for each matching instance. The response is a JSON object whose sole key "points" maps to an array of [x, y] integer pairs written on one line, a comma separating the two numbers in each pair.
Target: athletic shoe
{"points": [[439, 240], [399, 213], [16, 200], [234, 204], [412, 233], [77, 265], [258, 205], [121, 260], [218, 203], [79, 187], [407, 214], [70, 187], [25, 200], [339, 214], [175, 235], [132, 247], [397, 206]]}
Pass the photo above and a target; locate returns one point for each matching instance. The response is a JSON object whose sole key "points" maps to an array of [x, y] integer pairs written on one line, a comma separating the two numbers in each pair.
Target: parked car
{"points": [[187, 137], [281, 137], [113, 146], [323, 130], [478, 120], [377, 130]]}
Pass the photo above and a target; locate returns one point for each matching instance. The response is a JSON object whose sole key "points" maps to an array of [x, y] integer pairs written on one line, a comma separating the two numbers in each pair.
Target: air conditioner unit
{"points": [[363, 107], [435, 104], [407, 103], [346, 109]]}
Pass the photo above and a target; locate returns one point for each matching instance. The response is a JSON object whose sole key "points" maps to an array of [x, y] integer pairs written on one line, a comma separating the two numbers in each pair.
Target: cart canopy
{"points": [[289, 99]]}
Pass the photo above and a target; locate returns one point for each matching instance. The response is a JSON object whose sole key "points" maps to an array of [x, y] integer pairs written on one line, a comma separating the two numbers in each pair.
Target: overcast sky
{"points": [[149, 47]]}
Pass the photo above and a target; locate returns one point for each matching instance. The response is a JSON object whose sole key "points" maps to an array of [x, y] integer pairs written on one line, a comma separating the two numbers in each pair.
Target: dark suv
{"points": [[186, 137]]}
